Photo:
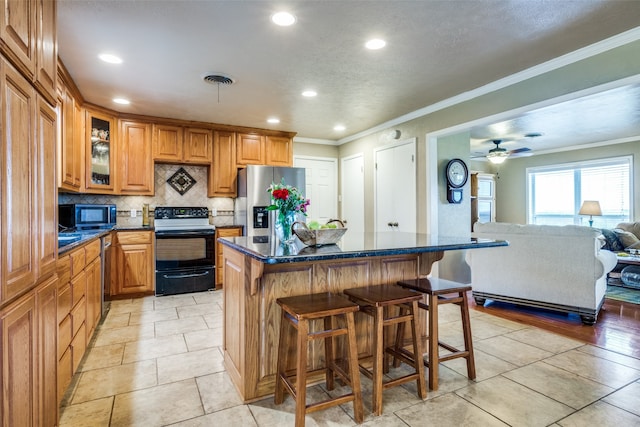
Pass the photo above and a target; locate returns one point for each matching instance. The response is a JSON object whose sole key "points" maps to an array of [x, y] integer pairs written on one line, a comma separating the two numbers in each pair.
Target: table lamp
{"points": [[591, 208]]}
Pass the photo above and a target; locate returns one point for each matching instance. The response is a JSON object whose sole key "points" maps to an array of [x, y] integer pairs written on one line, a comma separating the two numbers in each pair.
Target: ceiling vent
{"points": [[218, 79]]}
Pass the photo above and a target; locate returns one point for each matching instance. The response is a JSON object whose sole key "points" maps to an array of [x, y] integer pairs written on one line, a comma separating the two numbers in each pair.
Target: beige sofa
{"points": [[554, 267]]}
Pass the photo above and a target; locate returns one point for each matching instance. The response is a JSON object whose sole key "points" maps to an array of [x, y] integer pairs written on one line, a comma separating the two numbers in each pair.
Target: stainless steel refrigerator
{"points": [[253, 197]]}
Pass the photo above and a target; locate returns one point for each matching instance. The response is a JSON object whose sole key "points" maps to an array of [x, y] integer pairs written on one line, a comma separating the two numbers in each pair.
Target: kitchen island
{"points": [[258, 271]]}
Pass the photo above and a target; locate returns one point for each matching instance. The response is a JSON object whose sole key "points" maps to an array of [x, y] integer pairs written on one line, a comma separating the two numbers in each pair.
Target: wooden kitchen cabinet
{"points": [[19, 363], [29, 358], [223, 171], [136, 162], [93, 272], [133, 269], [47, 352], [250, 149], [18, 164], [197, 146], [70, 142], [279, 151], [100, 135], [29, 40], [167, 143], [223, 232], [79, 308], [46, 190]]}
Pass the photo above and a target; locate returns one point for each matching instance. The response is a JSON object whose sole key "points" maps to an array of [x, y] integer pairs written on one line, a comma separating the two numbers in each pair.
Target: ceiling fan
{"points": [[498, 155]]}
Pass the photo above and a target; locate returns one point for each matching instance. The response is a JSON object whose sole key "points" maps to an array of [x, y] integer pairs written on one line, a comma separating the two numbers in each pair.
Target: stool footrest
{"points": [[334, 401]]}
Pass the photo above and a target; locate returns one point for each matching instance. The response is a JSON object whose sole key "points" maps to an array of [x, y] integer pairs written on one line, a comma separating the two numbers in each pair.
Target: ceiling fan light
{"points": [[497, 157]]}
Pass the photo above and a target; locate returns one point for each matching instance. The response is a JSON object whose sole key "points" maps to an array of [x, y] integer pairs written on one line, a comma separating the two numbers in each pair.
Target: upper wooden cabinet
{"points": [[135, 161], [223, 171], [46, 49], [29, 40], [100, 135], [167, 143], [177, 144], [279, 151], [197, 146], [256, 149], [70, 141], [250, 149]]}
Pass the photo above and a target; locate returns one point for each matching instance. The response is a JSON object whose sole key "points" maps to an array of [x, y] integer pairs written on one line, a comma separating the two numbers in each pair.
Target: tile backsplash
{"points": [[165, 195]]}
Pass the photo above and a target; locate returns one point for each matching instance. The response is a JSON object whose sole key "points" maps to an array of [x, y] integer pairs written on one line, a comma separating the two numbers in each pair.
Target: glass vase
{"points": [[284, 221]]}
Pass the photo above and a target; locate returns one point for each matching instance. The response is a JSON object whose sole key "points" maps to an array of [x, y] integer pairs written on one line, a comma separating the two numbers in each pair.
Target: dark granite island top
{"points": [[256, 274], [353, 245]]}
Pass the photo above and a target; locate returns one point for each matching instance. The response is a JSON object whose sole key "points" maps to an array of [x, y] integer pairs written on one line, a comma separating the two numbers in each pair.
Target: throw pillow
{"points": [[612, 243], [626, 238]]}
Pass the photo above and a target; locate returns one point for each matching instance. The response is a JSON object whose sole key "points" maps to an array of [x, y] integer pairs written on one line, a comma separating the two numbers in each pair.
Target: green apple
{"points": [[313, 225]]}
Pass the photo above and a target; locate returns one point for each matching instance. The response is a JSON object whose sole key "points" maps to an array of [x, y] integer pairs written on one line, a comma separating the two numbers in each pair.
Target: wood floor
{"points": [[617, 328]]}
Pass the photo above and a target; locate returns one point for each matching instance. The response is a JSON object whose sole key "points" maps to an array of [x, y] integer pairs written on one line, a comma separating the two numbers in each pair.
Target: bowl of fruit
{"points": [[314, 234]]}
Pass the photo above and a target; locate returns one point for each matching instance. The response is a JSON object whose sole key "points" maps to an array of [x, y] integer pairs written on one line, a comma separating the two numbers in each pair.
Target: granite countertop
{"points": [[353, 245], [68, 241]]}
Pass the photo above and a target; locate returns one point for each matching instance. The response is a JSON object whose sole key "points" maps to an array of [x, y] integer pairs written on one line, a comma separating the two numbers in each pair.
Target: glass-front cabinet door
{"points": [[100, 156]]}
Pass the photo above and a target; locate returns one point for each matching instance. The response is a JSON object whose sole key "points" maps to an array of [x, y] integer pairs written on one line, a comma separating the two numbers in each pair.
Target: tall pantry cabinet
{"points": [[28, 217]]}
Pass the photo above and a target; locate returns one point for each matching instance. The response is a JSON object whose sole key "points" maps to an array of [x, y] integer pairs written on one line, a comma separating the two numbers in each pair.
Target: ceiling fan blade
{"points": [[520, 150]]}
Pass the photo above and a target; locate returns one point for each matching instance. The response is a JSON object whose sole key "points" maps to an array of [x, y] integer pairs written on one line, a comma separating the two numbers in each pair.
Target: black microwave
{"points": [[83, 216]]}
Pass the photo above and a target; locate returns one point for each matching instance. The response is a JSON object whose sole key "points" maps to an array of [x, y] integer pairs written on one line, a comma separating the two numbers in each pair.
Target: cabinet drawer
{"points": [[78, 316], [78, 261], [78, 287], [134, 237], [65, 372], [78, 346], [92, 251], [64, 301], [64, 335], [63, 266]]}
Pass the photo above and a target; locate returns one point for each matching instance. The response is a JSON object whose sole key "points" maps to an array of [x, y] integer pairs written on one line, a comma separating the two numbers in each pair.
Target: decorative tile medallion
{"points": [[181, 181]]}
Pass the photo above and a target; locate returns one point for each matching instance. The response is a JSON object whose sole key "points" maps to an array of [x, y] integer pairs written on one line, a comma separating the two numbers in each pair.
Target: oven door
{"points": [[184, 249], [185, 261]]}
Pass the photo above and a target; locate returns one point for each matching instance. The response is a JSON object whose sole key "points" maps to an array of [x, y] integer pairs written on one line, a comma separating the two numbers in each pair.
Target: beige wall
{"points": [[606, 67], [511, 203]]}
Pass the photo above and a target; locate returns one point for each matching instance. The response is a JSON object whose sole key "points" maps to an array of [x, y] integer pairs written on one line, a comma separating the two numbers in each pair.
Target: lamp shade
{"points": [[590, 207]]}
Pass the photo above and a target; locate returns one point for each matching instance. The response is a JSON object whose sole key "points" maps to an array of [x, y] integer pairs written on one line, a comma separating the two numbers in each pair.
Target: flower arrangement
{"points": [[287, 198], [289, 202]]}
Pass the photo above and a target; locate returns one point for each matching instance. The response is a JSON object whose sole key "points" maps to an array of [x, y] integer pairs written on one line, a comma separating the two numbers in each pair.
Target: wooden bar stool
{"points": [[375, 301], [440, 291], [298, 311]]}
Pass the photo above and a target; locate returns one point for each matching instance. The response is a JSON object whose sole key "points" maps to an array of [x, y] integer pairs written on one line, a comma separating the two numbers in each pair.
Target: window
{"points": [[555, 193]]}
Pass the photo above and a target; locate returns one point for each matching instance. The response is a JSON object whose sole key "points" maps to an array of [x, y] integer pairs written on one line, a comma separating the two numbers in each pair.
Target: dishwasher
{"points": [[106, 272]]}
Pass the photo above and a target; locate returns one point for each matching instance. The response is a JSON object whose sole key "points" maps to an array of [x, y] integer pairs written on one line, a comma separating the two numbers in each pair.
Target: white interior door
{"points": [[352, 175], [321, 187], [395, 187]]}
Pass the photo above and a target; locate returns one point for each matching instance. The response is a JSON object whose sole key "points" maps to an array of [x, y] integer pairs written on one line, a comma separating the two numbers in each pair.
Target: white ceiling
{"points": [[435, 50]]}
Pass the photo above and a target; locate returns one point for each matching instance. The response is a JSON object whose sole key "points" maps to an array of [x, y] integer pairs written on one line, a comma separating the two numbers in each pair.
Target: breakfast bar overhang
{"points": [[257, 272]]}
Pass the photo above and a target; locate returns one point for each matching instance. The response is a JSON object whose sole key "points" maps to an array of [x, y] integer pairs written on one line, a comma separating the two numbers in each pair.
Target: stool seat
{"points": [[297, 312], [376, 301], [439, 292], [316, 306]]}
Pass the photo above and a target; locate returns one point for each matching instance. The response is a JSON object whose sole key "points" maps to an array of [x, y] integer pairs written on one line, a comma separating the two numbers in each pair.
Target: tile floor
{"points": [[158, 361]]}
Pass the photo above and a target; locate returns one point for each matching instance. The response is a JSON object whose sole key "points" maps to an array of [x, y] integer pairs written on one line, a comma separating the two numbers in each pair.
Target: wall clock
{"points": [[457, 175]]}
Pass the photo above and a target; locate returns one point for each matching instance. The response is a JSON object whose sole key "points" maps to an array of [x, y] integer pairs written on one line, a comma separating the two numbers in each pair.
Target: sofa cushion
{"points": [[611, 241], [627, 238], [632, 227]]}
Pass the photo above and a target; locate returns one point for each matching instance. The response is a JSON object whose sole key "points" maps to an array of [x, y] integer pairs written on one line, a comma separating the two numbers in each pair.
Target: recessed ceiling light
{"points": [[375, 44], [339, 127], [284, 19], [309, 93], [121, 101], [273, 120], [111, 59]]}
